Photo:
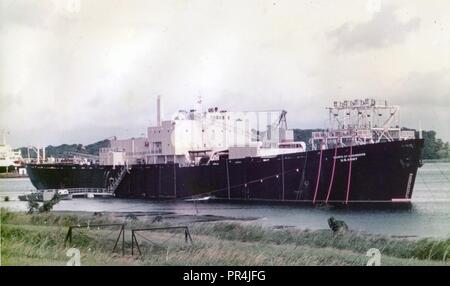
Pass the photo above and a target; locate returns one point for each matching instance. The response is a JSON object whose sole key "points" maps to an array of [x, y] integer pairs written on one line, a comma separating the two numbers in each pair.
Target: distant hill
{"points": [[61, 151]]}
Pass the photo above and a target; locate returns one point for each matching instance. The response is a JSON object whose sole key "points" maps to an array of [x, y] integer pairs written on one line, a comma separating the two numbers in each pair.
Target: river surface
{"points": [[429, 215]]}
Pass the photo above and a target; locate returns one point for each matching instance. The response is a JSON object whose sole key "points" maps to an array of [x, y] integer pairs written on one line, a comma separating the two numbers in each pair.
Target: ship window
{"points": [[156, 148]]}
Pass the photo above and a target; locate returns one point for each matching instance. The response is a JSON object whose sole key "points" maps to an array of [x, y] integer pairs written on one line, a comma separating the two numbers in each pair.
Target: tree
{"points": [[434, 148], [33, 205], [48, 205]]}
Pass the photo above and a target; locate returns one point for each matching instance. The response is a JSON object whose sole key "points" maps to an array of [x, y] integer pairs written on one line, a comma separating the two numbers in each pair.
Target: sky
{"points": [[76, 71]]}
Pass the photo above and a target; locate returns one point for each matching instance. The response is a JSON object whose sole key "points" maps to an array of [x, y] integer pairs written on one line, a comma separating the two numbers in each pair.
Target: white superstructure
{"points": [[8, 157], [193, 137]]}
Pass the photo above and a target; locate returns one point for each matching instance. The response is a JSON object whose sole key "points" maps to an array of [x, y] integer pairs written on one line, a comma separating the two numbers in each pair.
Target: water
{"points": [[429, 215]]}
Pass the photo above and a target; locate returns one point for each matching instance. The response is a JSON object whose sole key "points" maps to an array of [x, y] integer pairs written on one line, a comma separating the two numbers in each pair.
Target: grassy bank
{"points": [[39, 240]]}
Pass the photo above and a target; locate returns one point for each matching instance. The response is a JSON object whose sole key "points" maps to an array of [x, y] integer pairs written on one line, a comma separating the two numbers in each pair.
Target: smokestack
{"points": [[420, 129], [158, 111]]}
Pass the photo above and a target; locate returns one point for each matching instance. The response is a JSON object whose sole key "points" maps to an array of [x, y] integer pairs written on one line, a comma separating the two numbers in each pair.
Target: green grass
{"points": [[38, 239], [358, 242]]}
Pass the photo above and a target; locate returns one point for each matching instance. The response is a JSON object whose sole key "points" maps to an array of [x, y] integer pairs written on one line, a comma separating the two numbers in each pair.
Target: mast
{"points": [[158, 111]]}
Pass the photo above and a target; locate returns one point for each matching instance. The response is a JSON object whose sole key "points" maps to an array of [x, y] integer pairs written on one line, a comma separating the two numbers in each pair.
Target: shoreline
{"points": [[38, 239], [12, 176], [316, 217]]}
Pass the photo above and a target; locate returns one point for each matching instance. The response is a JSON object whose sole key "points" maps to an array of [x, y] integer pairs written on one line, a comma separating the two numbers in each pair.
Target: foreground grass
{"points": [[39, 240]]}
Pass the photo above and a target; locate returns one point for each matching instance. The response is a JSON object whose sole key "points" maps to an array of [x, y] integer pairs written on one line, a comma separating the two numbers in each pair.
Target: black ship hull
{"points": [[382, 172]]}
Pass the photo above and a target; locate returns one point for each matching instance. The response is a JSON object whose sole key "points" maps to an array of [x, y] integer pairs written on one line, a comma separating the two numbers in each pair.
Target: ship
{"points": [[10, 160], [362, 156]]}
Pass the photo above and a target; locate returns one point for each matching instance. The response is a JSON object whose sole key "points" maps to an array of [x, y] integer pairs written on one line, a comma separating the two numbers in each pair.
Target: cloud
{"points": [[382, 30], [25, 13], [424, 98], [425, 89], [69, 75]]}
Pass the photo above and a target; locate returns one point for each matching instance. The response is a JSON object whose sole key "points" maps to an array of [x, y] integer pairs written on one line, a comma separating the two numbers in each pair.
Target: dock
{"points": [[90, 192], [68, 194]]}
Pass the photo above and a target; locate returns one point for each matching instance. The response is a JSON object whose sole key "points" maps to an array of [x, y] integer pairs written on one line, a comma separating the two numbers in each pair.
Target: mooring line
{"points": [[442, 173], [349, 174], [332, 175], [318, 176], [302, 180], [426, 186]]}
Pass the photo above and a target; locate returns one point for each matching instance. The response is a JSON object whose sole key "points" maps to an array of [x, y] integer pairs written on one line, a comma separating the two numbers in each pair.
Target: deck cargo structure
{"points": [[361, 158]]}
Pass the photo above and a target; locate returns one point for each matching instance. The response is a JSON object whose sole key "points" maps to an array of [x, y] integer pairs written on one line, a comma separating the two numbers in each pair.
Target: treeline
{"points": [[61, 151], [434, 148]]}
